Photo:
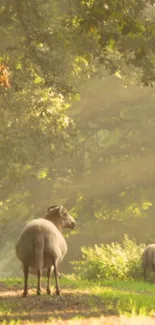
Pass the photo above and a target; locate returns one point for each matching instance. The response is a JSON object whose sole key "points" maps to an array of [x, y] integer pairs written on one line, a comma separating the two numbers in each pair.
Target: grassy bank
{"points": [[79, 300]]}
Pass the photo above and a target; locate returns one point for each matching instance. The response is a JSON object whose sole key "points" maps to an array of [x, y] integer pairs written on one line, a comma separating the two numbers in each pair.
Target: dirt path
{"points": [[74, 307]]}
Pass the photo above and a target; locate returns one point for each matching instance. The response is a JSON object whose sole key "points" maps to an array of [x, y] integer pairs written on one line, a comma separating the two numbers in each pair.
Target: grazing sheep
{"points": [[148, 259], [42, 246]]}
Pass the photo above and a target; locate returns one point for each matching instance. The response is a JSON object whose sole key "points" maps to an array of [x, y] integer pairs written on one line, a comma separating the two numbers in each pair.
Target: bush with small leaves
{"points": [[111, 261]]}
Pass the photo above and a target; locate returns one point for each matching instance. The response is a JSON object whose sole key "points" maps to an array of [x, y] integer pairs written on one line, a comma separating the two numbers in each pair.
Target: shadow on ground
{"points": [[71, 304]]}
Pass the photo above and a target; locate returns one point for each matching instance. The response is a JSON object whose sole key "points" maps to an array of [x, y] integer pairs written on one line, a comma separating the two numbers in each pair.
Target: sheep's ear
{"points": [[52, 207], [61, 210]]}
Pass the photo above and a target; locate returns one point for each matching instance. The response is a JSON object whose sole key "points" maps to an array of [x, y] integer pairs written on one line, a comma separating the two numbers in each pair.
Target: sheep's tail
{"points": [[39, 242]]}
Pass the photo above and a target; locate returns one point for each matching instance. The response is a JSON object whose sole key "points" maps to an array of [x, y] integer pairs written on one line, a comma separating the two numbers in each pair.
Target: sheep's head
{"points": [[58, 214]]}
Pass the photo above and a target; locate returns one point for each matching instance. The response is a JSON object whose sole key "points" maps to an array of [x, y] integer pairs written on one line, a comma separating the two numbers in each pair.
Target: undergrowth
{"points": [[112, 261]]}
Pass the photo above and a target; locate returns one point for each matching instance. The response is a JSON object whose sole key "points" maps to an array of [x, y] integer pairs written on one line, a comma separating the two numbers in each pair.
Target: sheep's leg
{"points": [[38, 284], [48, 280], [59, 274], [149, 265], [56, 278], [26, 274], [145, 273], [151, 275]]}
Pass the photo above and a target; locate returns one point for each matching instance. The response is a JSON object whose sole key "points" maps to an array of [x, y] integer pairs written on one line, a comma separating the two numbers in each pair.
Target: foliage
{"points": [[114, 261], [113, 34], [4, 76], [93, 155]]}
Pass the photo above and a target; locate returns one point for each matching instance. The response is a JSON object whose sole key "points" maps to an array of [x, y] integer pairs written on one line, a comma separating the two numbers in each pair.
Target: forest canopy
{"points": [[71, 132]]}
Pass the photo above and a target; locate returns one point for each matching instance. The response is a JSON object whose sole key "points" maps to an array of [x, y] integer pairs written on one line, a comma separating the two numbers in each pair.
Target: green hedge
{"points": [[111, 261]]}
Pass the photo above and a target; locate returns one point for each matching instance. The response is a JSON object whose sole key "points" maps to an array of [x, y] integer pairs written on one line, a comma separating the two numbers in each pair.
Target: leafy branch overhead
{"points": [[70, 132], [4, 77], [45, 39]]}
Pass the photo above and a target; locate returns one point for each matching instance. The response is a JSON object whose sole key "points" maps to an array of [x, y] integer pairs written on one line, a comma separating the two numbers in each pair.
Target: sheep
{"points": [[43, 273], [42, 246], [148, 259]]}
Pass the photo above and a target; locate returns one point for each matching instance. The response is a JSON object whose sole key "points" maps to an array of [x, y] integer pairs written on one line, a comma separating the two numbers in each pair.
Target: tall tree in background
{"points": [[50, 153]]}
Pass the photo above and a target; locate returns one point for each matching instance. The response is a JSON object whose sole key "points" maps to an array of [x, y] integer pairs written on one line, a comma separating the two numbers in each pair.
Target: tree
{"points": [[51, 49]]}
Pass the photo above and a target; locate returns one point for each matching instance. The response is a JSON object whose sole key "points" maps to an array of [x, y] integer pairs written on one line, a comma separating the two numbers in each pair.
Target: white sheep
{"points": [[148, 259], [42, 246]]}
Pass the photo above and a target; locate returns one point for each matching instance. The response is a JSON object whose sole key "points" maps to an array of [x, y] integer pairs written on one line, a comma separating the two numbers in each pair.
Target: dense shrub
{"points": [[121, 261]]}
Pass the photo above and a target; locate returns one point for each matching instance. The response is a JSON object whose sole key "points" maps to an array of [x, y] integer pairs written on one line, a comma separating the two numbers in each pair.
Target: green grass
{"points": [[79, 299], [124, 297]]}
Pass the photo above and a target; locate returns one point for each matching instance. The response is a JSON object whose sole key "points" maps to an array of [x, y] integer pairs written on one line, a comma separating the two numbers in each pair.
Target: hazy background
{"points": [[72, 133]]}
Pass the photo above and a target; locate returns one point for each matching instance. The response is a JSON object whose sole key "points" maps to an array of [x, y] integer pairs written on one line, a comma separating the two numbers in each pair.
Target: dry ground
{"points": [[74, 307]]}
